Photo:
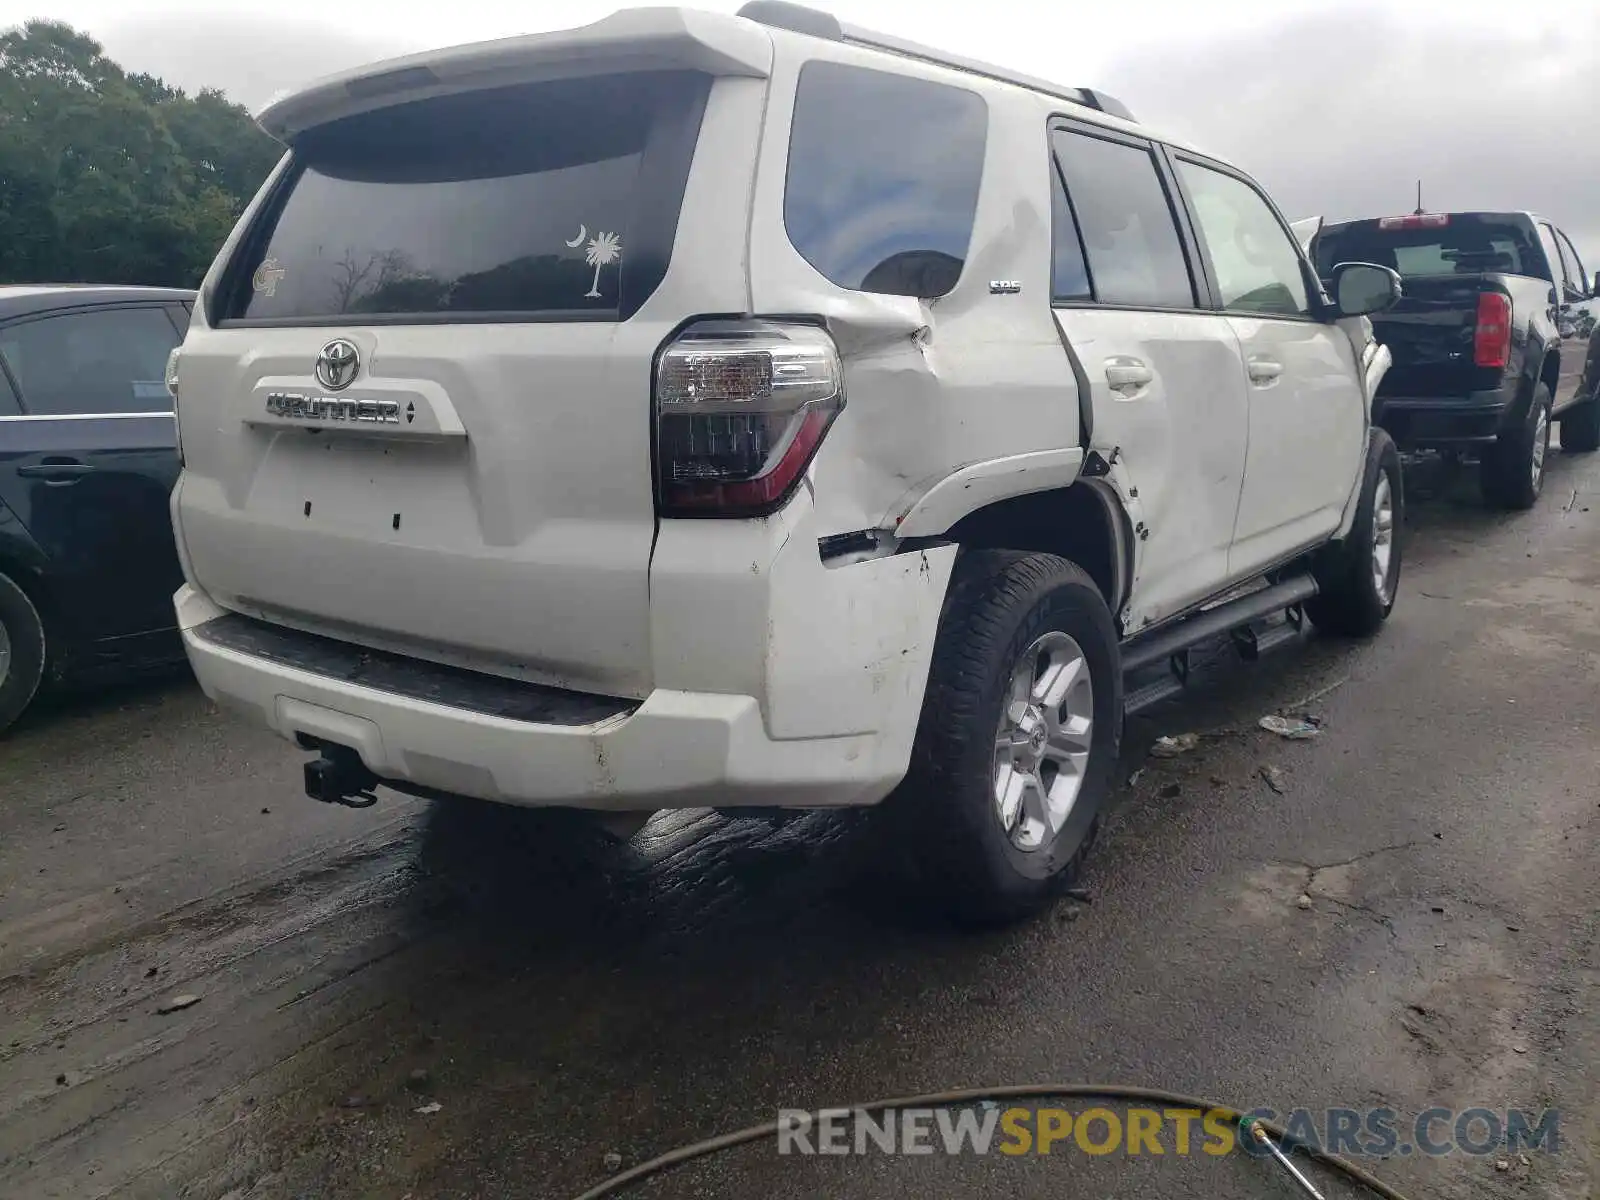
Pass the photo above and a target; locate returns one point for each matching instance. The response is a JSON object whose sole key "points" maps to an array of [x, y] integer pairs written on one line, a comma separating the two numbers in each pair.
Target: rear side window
{"points": [[8, 397], [1569, 270], [1552, 256], [102, 361], [883, 178], [1463, 246], [1129, 233], [1069, 273], [550, 198], [1578, 276]]}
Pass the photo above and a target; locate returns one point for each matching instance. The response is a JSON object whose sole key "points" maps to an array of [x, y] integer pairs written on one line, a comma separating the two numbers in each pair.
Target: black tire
{"points": [[21, 652], [945, 813], [1580, 426], [1350, 602], [1512, 475]]}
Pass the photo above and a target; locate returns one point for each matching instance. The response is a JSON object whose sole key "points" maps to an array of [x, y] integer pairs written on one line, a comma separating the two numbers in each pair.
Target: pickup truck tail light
{"points": [[740, 410], [1491, 340]]}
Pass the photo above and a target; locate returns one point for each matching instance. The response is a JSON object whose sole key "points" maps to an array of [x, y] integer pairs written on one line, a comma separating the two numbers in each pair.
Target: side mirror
{"points": [[1360, 289]]}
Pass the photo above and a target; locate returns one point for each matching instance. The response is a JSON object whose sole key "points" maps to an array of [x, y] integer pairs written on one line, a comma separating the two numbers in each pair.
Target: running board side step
{"points": [[1237, 617]]}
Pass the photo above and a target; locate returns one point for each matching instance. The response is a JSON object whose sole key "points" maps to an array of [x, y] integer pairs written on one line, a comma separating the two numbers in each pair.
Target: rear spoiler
{"points": [[634, 39]]}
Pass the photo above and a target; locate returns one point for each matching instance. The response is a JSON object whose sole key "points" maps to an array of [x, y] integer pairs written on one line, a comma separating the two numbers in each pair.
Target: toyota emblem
{"points": [[338, 365]]}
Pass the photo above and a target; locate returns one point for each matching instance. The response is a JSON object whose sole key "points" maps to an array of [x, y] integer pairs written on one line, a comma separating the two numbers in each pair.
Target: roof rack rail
{"points": [[798, 18]]}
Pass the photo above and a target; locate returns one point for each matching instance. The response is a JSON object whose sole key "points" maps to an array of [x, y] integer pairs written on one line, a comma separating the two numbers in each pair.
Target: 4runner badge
{"points": [[299, 407]]}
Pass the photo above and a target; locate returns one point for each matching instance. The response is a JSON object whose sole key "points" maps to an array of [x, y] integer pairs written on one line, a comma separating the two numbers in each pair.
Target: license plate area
{"points": [[415, 492]]}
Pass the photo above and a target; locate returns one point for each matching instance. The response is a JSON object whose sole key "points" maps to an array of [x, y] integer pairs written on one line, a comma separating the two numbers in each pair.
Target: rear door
{"points": [[1164, 374], [1308, 412], [418, 413], [89, 464]]}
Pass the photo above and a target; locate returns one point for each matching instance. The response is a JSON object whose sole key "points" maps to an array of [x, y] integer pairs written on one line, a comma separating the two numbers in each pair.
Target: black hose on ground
{"points": [[1024, 1091]]}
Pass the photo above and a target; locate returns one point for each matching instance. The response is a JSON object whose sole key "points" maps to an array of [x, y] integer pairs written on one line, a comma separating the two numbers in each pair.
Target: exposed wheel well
{"points": [[1079, 523], [1550, 373]]}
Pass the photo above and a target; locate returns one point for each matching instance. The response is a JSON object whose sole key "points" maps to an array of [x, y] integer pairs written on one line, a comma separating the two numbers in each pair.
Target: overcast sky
{"points": [[1336, 106]]}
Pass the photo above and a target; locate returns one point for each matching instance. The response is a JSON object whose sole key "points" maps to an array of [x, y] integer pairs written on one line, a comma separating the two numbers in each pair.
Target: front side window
{"points": [[1256, 263], [549, 198], [1576, 275], [1130, 236], [883, 178], [1560, 265], [1580, 276], [101, 361]]}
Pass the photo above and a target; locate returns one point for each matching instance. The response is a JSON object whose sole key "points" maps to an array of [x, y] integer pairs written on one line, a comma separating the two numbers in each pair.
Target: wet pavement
{"points": [[561, 998]]}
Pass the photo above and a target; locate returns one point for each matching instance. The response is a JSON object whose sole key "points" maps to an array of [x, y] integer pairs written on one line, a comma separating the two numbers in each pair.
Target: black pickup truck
{"points": [[1475, 340]]}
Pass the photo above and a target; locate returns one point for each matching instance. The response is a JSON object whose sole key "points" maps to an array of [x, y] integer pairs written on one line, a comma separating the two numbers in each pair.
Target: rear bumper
{"points": [[829, 722], [1434, 422]]}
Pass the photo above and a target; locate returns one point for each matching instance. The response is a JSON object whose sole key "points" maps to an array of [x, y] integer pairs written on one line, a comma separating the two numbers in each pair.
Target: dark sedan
{"points": [[88, 458]]}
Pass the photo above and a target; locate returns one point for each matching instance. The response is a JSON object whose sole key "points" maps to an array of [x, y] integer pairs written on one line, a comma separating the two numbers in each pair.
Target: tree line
{"points": [[111, 176]]}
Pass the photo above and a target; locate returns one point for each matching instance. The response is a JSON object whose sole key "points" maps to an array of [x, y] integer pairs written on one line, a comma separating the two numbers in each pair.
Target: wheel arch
{"points": [[1083, 523], [1550, 371], [22, 564]]}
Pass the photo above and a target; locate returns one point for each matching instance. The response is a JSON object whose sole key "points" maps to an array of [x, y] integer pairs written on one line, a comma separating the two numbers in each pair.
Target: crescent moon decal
{"points": [[583, 232]]}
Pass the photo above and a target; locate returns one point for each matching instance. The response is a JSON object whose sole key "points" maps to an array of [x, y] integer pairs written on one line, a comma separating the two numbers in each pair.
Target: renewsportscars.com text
{"points": [[989, 1129]]}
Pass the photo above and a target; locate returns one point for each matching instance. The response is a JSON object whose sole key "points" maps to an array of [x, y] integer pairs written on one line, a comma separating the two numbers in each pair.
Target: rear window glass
{"points": [[558, 197], [883, 178], [1463, 247]]}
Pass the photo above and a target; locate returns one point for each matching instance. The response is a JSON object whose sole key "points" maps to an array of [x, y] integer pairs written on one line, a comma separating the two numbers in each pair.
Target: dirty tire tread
{"points": [[1580, 427], [1506, 467], [26, 632], [1347, 603], [998, 602]]}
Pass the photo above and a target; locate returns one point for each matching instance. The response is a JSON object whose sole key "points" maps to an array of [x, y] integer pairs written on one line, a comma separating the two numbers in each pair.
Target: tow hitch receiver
{"points": [[338, 776]]}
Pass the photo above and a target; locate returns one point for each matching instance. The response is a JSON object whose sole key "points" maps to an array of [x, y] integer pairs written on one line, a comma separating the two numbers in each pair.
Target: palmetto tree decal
{"points": [[604, 249]]}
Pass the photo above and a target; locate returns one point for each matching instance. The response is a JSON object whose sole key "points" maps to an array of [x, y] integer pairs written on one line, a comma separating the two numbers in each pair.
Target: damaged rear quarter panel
{"points": [[932, 387], [748, 608]]}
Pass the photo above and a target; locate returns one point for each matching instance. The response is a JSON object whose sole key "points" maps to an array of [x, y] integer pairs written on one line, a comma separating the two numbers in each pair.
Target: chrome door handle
{"points": [[1128, 374], [1265, 370], [56, 471]]}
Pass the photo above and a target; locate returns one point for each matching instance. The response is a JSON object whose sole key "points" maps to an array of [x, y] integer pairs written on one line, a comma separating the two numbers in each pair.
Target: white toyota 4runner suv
{"points": [[755, 412]]}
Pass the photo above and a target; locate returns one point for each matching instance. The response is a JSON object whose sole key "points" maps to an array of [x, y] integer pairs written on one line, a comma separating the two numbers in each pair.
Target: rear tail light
{"points": [[1491, 340], [740, 411]]}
